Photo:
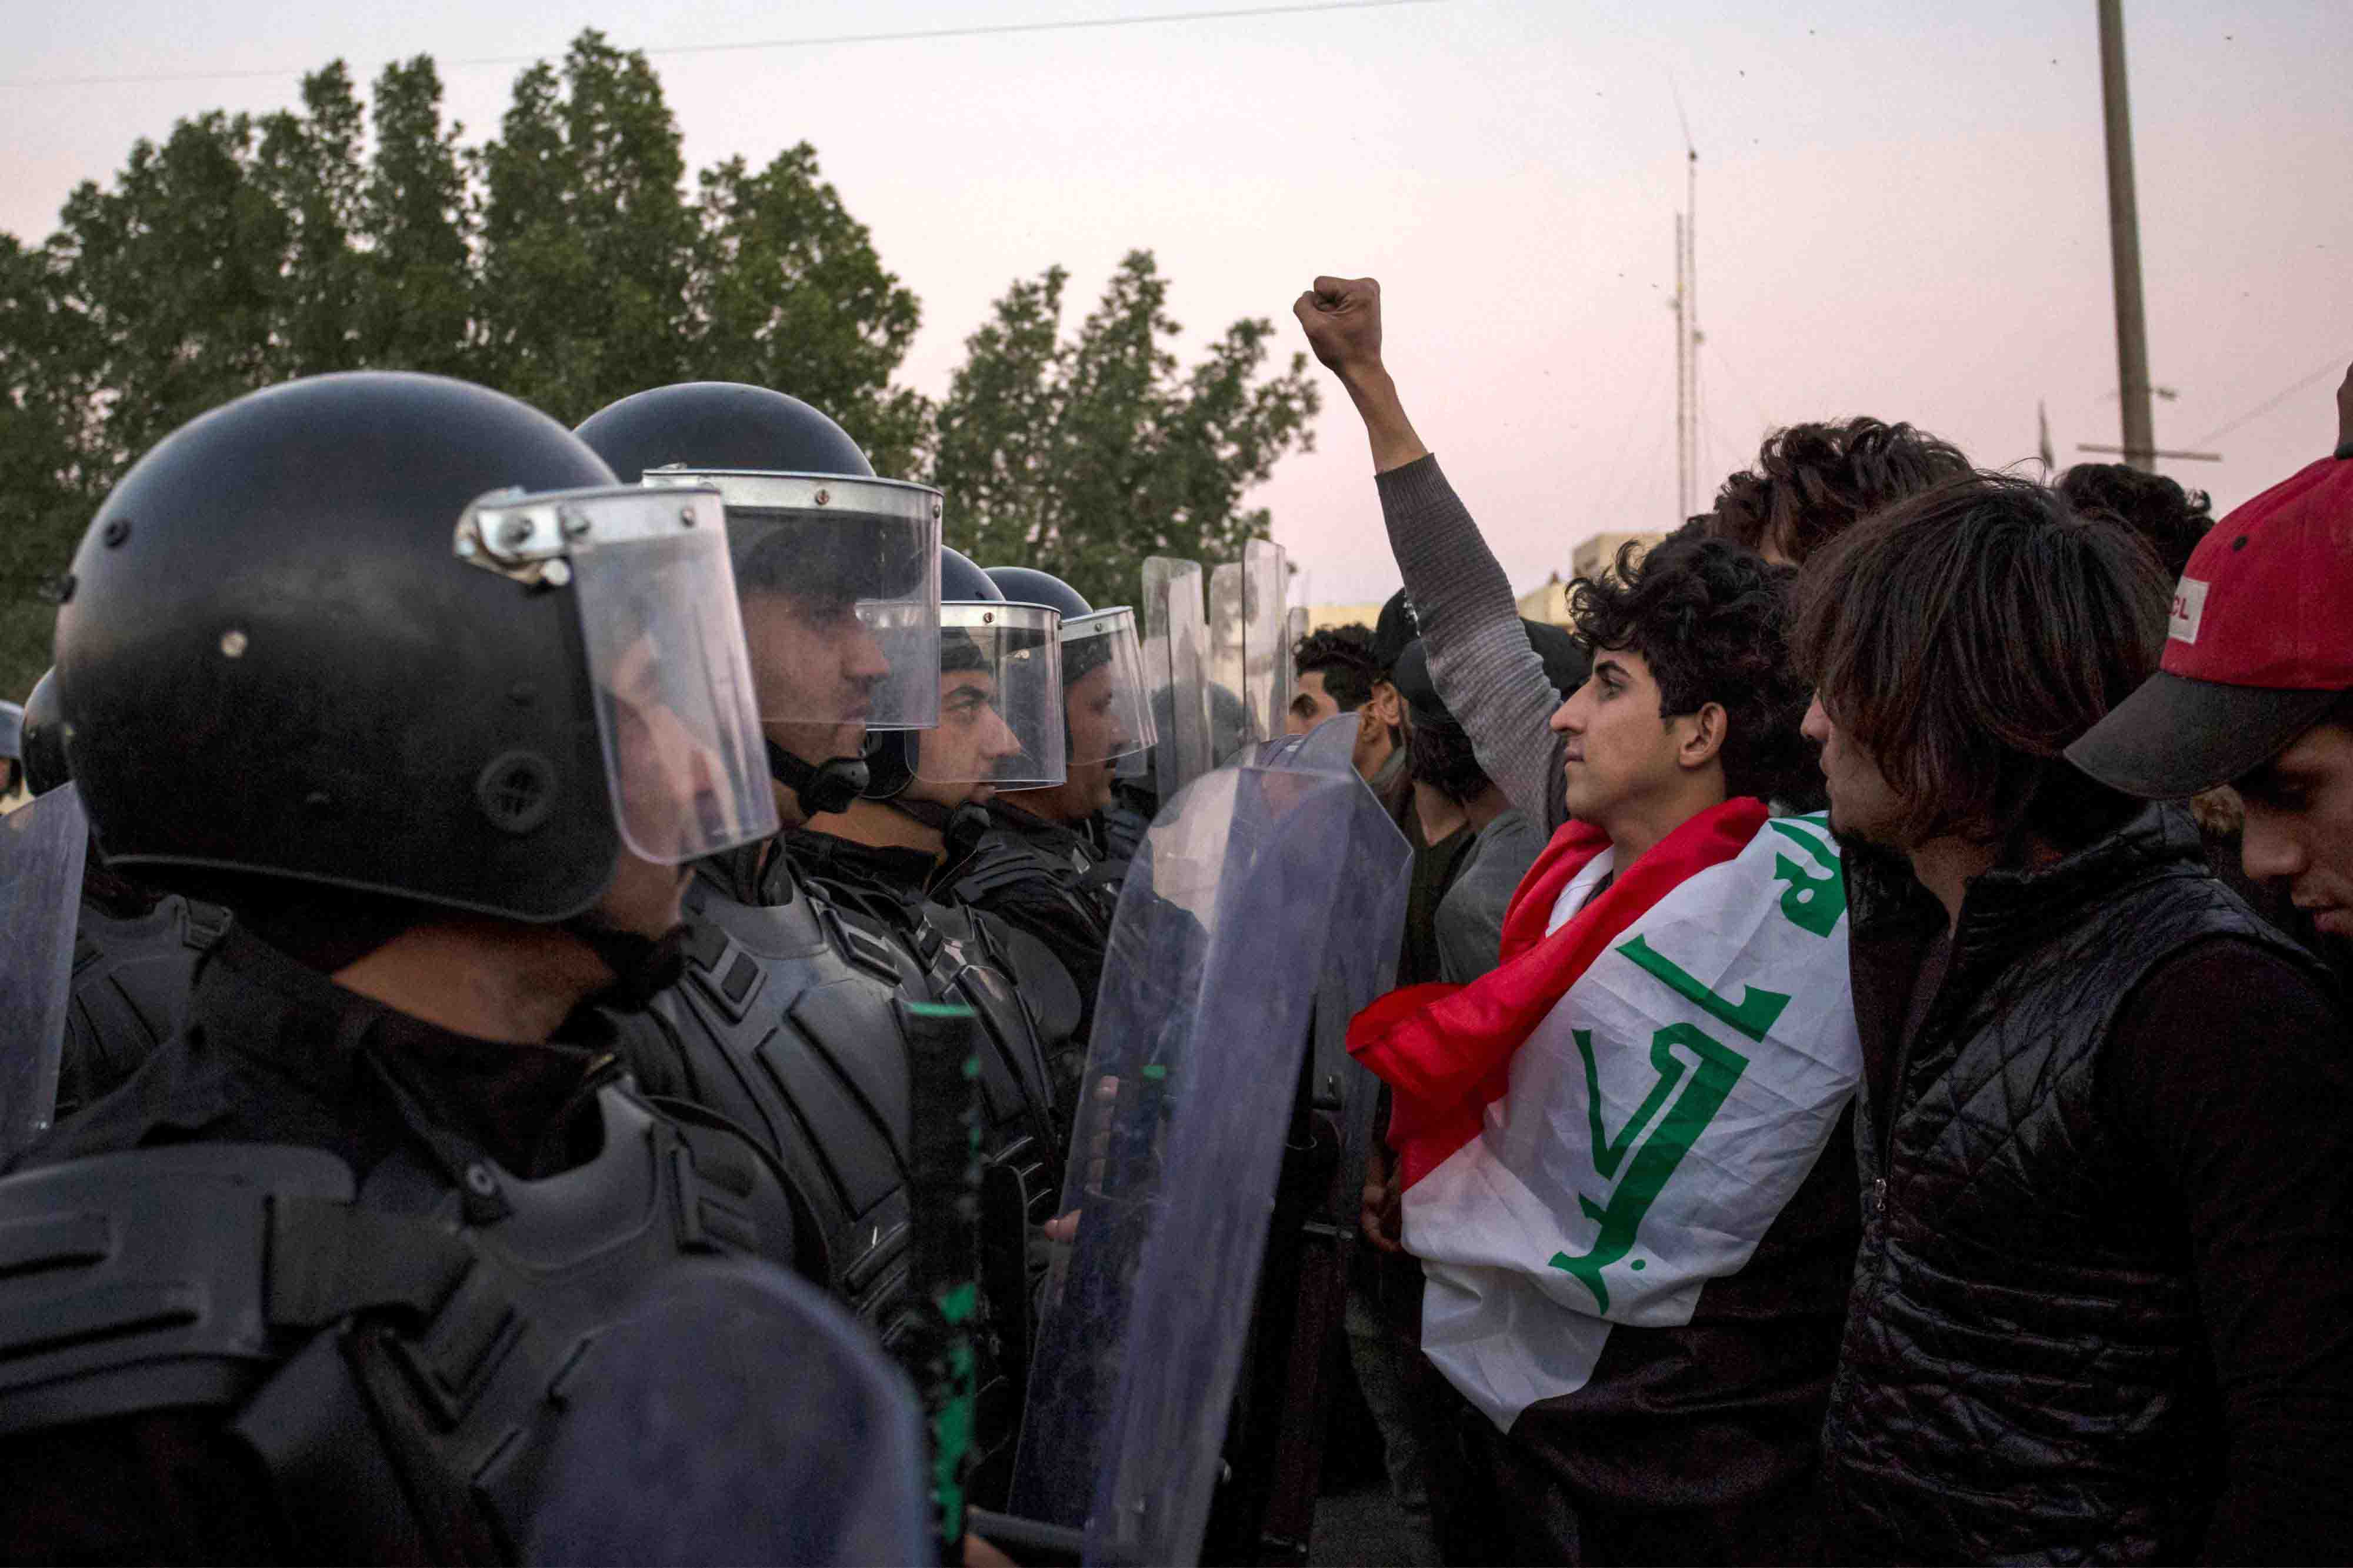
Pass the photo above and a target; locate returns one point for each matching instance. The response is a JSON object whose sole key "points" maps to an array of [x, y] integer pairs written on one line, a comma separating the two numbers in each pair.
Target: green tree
{"points": [[588, 245], [416, 310], [1082, 458], [790, 294]]}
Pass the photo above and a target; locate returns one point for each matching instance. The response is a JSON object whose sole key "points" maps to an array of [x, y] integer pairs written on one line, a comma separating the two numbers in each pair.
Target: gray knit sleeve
{"points": [[1479, 655]]}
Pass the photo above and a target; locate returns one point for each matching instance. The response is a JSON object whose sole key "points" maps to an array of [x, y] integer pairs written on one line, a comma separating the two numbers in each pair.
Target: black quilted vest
{"points": [[2024, 1375]]}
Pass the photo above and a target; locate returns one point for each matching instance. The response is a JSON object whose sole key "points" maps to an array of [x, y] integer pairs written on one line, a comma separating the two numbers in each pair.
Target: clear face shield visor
{"points": [[840, 577], [648, 576], [1107, 706], [1000, 693]]}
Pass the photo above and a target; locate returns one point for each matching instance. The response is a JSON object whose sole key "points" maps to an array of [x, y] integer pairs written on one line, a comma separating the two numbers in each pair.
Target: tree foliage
{"points": [[1082, 457], [568, 259]]}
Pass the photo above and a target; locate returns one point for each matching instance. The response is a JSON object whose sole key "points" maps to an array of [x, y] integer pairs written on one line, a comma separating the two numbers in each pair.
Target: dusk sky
{"points": [[1902, 207]]}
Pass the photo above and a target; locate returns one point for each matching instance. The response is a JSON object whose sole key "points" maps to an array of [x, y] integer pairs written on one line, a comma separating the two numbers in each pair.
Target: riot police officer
{"points": [[924, 807], [380, 1259], [135, 948], [793, 1018], [1044, 864]]}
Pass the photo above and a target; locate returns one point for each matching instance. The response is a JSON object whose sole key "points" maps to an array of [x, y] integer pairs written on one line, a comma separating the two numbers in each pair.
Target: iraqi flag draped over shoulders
{"points": [[1595, 1130]]}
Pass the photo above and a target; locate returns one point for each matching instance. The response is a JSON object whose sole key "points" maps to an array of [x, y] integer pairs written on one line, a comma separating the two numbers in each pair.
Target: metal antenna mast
{"points": [[1687, 333]]}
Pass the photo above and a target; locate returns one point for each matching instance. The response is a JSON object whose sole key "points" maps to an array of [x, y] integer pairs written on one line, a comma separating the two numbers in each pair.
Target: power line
{"points": [[993, 29], [2252, 414]]}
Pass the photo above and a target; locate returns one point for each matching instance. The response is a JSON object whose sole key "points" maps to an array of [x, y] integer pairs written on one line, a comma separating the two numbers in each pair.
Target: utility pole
{"points": [[2124, 243], [1687, 341]]}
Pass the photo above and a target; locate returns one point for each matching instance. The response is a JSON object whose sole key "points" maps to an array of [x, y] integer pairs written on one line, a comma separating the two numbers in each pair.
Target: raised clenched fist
{"points": [[1342, 320]]}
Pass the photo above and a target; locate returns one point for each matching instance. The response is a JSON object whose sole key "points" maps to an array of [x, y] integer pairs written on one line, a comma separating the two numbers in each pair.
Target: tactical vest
{"points": [[411, 1355], [789, 1024], [132, 972]]}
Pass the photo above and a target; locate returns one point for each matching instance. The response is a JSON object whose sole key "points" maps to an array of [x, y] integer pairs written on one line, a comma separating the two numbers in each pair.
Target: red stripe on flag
{"points": [[1446, 1050]]}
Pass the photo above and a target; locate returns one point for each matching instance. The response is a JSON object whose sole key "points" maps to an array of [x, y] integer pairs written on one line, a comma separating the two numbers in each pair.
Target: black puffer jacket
{"points": [[2024, 1376]]}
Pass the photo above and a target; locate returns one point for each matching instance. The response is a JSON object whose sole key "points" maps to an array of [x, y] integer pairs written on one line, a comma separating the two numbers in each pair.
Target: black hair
{"points": [[1442, 757], [1814, 481], [1344, 656], [1711, 619], [2168, 519], [1966, 637]]}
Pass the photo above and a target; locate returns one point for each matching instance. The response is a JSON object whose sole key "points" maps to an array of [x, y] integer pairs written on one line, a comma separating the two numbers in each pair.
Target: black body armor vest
{"points": [[132, 966], [789, 1024], [424, 1365]]}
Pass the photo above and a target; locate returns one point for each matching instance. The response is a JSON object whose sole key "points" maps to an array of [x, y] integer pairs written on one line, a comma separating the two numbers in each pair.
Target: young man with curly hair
{"points": [[1624, 1152], [2104, 1309], [1813, 481]]}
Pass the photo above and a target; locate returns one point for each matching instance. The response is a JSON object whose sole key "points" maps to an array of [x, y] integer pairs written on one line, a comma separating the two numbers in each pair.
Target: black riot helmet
{"points": [[837, 569], [45, 738], [404, 636], [1031, 586], [1111, 715], [1000, 694]]}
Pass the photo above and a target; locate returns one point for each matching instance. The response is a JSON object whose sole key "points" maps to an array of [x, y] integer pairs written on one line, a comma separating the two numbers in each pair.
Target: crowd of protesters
{"points": [[1963, 1174]]}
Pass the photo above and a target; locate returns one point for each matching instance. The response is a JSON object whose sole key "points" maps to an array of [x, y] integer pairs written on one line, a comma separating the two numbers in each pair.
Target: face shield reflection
{"points": [[1107, 712], [674, 698], [1000, 692], [840, 588]]}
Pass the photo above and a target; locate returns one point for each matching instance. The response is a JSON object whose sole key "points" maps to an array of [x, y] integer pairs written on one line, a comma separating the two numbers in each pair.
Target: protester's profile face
{"points": [[972, 738], [814, 659], [1863, 805], [1311, 705], [1619, 748], [2299, 829]]}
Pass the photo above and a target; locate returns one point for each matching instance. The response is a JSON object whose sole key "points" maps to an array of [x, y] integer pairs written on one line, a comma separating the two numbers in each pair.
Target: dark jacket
{"points": [[2025, 1371]]}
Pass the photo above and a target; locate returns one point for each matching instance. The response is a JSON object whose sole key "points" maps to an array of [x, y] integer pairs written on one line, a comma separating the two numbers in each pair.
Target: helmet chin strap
{"points": [[826, 789], [960, 827], [643, 966]]}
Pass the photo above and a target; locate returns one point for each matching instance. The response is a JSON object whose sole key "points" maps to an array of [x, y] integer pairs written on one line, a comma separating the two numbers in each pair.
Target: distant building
{"points": [[1597, 553], [1547, 602], [1321, 615]]}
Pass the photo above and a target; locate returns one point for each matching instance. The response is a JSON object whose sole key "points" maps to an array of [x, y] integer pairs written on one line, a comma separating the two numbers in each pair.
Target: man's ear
{"points": [[1388, 703], [1703, 735]]}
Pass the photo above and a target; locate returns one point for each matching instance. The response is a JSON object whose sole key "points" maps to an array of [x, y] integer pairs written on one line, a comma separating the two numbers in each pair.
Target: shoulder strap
{"points": [[137, 1279]]}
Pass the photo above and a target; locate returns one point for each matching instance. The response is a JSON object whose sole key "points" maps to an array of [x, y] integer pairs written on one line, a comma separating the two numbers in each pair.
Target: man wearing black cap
{"points": [[1479, 845]]}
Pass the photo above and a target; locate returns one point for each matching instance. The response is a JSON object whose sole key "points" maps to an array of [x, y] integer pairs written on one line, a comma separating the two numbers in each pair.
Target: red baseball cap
{"points": [[2260, 647]]}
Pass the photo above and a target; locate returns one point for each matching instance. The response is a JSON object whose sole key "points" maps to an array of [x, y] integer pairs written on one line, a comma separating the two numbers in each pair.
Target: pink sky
{"points": [[1901, 214]]}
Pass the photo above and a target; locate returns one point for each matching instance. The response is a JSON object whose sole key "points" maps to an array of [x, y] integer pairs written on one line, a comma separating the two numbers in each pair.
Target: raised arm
{"points": [[1478, 654]]}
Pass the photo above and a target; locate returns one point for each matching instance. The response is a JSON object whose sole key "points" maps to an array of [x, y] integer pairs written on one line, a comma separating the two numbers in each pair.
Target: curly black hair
{"points": [[1712, 620], [2168, 519], [1345, 654], [1812, 481], [1442, 757]]}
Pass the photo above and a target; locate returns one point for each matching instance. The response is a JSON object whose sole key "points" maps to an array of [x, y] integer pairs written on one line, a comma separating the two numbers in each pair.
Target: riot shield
{"points": [[1253, 882], [1249, 657], [1176, 646], [42, 845]]}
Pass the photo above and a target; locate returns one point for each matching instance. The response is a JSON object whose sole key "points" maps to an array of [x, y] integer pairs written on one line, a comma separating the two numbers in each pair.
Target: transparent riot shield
{"points": [[42, 845], [1250, 662], [1252, 883], [1175, 650]]}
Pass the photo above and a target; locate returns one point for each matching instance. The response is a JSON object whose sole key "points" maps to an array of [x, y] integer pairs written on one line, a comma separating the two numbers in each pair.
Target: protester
{"points": [[1812, 482], [1813, 485], [1333, 671], [2168, 519], [1477, 845], [2103, 1309], [1658, 1403]]}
